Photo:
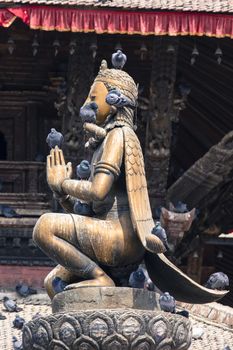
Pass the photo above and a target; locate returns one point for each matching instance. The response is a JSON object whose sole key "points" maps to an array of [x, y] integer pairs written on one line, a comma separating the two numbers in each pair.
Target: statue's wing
{"points": [[136, 184], [169, 278]]}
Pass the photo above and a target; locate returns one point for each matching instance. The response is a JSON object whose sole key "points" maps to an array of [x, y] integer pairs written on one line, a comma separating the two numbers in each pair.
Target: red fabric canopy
{"points": [[120, 22]]}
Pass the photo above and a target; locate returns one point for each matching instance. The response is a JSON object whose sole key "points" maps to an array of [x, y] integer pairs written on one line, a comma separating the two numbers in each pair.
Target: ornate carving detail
{"points": [[108, 330]]}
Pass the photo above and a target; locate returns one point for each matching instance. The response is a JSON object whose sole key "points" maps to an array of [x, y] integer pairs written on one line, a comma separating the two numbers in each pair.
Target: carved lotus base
{"points": [[108, 329]]}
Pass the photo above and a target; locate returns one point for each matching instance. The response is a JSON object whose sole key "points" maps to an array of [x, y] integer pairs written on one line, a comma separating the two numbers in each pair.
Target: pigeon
{"points": [[218, 280], [184, 313], [159, 231], [58, 285], [180, 207], [2, 317], [18, 322], [81, 208], [10, 305], [17, 344], [54, 139], [227, 348], [117, 99], [24, 290], [118, 59], [167, 303], [8, 212], [137, 278], [83, 170], [88, 112]]}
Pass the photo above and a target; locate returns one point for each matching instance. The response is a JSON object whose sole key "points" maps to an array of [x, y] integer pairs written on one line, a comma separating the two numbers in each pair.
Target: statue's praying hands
{"points": [[57, 170]]}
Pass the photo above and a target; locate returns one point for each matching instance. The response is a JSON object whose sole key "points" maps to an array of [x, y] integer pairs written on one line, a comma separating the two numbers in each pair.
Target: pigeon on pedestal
{"points": [[10, 305], [18, 322], [167, 303]]}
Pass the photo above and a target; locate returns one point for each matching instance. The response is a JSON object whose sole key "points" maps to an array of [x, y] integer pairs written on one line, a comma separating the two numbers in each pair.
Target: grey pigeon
{"points": [[10, 305], [181, 207], [54, 139], [2, 317], [159, 231], [167, 303], [24, 290], [118, 59], [117, 99], [88, 112], [58, 285], [8, 212], [17, 344], [18, 322], [83, 209], [137, 278], [218, 280], [83, 170], [227, 348]]}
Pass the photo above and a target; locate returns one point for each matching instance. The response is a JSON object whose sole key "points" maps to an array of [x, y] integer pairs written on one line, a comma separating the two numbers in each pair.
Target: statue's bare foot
{"points": [[100, 281]]}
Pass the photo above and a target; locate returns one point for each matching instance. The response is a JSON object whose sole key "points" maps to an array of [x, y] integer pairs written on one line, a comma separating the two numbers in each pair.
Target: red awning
{"points": [[120, 22]]}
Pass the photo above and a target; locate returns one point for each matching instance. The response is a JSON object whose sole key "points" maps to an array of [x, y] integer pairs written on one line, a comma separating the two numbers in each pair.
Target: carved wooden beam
{"points": [[204, 175], [161, 111]]}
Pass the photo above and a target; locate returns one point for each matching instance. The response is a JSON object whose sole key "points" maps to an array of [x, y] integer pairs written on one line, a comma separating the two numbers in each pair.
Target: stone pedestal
{"points": [[108, 319]]}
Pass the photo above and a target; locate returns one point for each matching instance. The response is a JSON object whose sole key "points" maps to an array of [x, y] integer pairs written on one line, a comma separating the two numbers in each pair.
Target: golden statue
{"points": [[104, 248]]}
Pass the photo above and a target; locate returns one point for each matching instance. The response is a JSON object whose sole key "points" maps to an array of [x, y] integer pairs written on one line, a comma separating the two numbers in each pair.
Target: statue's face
{"points": [[98, 95]]}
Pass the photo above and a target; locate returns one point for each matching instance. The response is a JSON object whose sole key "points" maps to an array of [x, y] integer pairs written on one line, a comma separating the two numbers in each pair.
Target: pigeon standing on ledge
{"points": [[24, 290], [137, 278], [167, 303], [118, 59], [218, 280], [54, 139], [8, 212]]}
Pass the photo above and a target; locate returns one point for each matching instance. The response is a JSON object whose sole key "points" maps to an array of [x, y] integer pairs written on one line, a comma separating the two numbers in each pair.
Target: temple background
{"points": [[29, 87]]}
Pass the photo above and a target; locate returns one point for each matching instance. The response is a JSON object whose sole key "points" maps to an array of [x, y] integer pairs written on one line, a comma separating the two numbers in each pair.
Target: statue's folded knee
{"points": [[42, 230]]}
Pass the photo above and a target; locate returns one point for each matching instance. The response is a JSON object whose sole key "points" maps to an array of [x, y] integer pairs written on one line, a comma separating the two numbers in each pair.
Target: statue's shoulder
{"points": [[115, 136]]}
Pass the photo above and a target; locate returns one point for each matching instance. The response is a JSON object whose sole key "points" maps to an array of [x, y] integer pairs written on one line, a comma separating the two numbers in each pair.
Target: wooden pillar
{"points": [[79, 79], [161, 111]]}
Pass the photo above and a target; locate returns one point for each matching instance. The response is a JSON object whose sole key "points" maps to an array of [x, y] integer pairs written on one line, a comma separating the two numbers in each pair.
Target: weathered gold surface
{"points": [[91, 251]]}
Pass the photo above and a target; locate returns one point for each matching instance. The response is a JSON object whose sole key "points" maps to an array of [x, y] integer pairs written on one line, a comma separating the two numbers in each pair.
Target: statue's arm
{"points": [[106, 171]]}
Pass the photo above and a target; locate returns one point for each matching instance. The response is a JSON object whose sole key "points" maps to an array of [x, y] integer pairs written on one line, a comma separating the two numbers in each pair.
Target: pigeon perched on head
{"points": [[83, 170], [159, 231], [58, 284], [167, 303], [18, 322], [117, 99], [88, 112], [137, 278], [10, 305], [118, 59], [17, 344], [83, 209], [218, 280], [54, 139], [24, 290], [8, 212]]}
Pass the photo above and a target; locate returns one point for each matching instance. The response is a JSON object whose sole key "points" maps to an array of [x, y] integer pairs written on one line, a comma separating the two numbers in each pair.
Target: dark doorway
{"points": [[3, 151]]}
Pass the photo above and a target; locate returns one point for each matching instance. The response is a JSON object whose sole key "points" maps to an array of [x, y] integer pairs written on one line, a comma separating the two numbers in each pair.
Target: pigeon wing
{"points": [[140, 210]]}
